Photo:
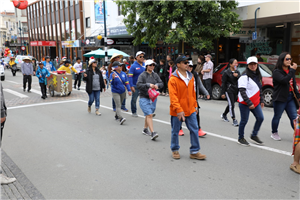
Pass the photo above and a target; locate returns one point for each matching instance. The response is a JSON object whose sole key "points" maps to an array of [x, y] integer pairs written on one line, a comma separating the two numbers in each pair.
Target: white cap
{"points": [[251, 60], [149, 62], [191, 63], [139, 53]]}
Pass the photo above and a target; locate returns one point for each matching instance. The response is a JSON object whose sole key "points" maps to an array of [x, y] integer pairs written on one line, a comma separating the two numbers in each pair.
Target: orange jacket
{"points": [[182, 97]]}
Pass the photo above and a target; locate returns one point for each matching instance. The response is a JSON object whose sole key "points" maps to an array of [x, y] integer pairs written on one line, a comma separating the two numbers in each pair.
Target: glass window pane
{"points": [[67, 31], [71, 3], [62, 31], [78, 34], [58, 31], [54, 33]]}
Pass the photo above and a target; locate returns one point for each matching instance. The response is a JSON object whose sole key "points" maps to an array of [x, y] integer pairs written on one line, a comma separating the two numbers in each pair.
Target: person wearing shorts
{"points": [[148, 79]]}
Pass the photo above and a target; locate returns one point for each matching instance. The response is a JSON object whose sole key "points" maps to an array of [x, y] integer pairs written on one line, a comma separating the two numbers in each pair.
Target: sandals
{"points": [[295, 168]]}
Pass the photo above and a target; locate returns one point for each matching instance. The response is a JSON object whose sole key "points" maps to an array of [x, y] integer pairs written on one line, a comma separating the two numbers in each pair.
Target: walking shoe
{"points": [[98, 113], [275, 136], [235, 123], [224, 117], [146, 132], [181, 133], [89, 109], [153, 115], [201, 133], [28, 91], [45, 96], [78, 88], [243, 142], [74, 87], [24, 90], [125, 109], [134, 115], [175, 155], [122, 121], [163, 94], [6, 180], [154, 135], [256, 140], [198, 156], [116, 117]]}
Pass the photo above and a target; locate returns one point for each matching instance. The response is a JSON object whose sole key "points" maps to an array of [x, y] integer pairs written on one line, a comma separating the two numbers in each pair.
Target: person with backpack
{"points": [[230, 89]]}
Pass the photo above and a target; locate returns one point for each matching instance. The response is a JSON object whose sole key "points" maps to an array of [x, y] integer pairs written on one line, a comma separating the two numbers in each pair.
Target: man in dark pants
{"points": [[27, 71], [4, 179], [207, 72]]}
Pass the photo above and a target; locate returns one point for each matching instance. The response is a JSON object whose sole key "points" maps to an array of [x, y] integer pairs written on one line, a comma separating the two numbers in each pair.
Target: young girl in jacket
{"points": [[283, 97], [230, 89], [250, 99]]}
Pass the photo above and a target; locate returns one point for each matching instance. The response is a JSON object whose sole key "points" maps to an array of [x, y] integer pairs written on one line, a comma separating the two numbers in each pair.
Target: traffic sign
{"points": [[23, 48], [254, 35]]}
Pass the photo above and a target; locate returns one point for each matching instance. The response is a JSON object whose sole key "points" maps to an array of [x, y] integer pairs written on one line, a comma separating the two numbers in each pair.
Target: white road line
{"points": [[215, 135], [34, 91], [160, 121], [12, 82], [43, 104], [15, 93]]}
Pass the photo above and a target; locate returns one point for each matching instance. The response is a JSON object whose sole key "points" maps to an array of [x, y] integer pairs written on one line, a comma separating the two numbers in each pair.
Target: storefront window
{"points": [[63, 31], [46, 32], [50, 32], [67, 30], [78, 34], [54, 33], [58, 31]]}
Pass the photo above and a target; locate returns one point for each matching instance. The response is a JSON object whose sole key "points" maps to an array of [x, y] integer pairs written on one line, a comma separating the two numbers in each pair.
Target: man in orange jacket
{"points": [[183, 108]]}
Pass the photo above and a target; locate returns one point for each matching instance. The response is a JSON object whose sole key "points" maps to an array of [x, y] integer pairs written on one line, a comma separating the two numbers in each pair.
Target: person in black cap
{"points": [[119, 84], [183, 108], [67, 67]]}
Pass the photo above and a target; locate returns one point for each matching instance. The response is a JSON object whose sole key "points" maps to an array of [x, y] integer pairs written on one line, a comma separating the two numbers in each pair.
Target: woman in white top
{"points": [[78, 67], [104, 74]]}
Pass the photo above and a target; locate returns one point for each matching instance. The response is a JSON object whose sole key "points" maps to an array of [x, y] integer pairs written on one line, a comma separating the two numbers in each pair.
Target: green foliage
{"points": [[197, 22]]}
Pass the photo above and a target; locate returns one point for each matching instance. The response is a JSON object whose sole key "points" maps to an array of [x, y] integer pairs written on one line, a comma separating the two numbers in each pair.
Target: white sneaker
{"points": [[275, 136], [6, 180]]}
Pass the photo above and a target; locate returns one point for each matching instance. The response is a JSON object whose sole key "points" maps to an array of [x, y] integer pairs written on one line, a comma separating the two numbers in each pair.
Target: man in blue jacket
{"points": [[42, 74], [135, 70], [48, 64]]}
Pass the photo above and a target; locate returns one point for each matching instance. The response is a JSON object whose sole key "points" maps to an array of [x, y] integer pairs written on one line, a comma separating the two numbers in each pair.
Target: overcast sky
{"points": [[8, 5]]}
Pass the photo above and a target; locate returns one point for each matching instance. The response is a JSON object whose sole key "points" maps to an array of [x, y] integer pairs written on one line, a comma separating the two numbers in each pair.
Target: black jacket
{"points": [[229, 82], [89, 80], [161, 70], [281, 84]]}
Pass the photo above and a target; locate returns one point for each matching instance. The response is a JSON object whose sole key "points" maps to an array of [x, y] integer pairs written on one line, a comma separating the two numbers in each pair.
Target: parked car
{"points": [[19, 60], [2, 73], [266, 70]]}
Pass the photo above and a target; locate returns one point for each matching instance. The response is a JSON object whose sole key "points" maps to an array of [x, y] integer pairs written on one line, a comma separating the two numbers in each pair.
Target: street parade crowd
{"points": [[183, 83]]}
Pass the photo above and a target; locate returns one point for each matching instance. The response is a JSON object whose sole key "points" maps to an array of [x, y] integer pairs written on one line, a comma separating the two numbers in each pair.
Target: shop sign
{"points": [[244, 32], [262, 48], [15, 44], [70, 43], [120, 41], [120, 30], [43, 43], [110, 42]]}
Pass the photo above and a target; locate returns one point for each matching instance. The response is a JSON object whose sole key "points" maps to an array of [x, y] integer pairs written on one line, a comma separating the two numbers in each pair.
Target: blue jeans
{"points": [[290, 108], [134, 97], [258, 114], [191, 122], [95, 95], [123, 104]]}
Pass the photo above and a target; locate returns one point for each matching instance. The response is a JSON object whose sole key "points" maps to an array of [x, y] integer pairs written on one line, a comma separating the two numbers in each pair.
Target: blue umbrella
{"points": [[110, 52]]}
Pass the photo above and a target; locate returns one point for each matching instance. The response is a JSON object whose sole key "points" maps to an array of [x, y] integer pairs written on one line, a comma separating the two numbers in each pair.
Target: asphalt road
{"points": [[68, 153]]}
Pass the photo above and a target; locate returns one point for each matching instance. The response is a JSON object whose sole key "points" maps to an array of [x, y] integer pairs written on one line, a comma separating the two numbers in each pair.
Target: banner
{"points": [[99, 11], [70, 43], [43, 43]]}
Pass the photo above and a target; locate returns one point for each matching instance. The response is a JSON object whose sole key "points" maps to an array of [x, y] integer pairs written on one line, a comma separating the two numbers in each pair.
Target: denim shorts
{"points": [[148, 107]]}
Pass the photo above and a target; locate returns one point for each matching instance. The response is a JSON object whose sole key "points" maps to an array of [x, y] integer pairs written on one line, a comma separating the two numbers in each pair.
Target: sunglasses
{"points": [[141, 56], [152, 65], [287, 59], [186, 63]]}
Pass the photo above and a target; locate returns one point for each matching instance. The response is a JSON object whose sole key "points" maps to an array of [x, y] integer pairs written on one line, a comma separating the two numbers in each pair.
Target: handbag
{"points": [[295, 98], [153, 94]]}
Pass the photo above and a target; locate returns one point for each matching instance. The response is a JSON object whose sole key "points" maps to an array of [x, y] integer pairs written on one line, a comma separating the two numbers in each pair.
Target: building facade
{"points": [[22, 38], [8, 31]]}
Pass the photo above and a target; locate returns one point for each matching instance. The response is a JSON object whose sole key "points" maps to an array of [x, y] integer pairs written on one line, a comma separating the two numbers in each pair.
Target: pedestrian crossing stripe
{"points": [[16, 93]]}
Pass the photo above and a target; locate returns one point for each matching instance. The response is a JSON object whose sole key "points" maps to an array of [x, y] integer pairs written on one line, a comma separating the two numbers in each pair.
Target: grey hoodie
{"points": [[27, 69], [3, 106], [144, 81]]}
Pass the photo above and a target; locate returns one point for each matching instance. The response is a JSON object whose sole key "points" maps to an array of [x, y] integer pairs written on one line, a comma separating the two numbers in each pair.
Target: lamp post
{"points": [[105, 36]]}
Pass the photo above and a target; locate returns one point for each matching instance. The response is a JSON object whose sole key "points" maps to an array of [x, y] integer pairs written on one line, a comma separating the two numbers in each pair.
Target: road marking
{"points": [[34, 91], [42, 104], [12, 82], [15, 93], [214, 135], [160, 121]]}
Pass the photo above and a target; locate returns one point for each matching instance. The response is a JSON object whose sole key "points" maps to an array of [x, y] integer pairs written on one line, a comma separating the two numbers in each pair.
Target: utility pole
{"points": [[20, 29]]}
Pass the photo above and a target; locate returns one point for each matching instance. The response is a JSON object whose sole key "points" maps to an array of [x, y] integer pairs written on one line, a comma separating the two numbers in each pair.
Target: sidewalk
{"points": [[22, 188]]}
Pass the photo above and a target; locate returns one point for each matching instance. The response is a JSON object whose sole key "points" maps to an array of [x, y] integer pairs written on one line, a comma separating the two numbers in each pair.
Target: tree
{"points": [[197, 22]]}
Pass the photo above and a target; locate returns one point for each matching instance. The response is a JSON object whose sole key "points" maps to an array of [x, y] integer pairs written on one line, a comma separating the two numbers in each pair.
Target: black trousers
{"points": [[164, 89], [207, 85], [43, 89], [77, 78], [231, 98], [1, 131], [27, 78]]}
